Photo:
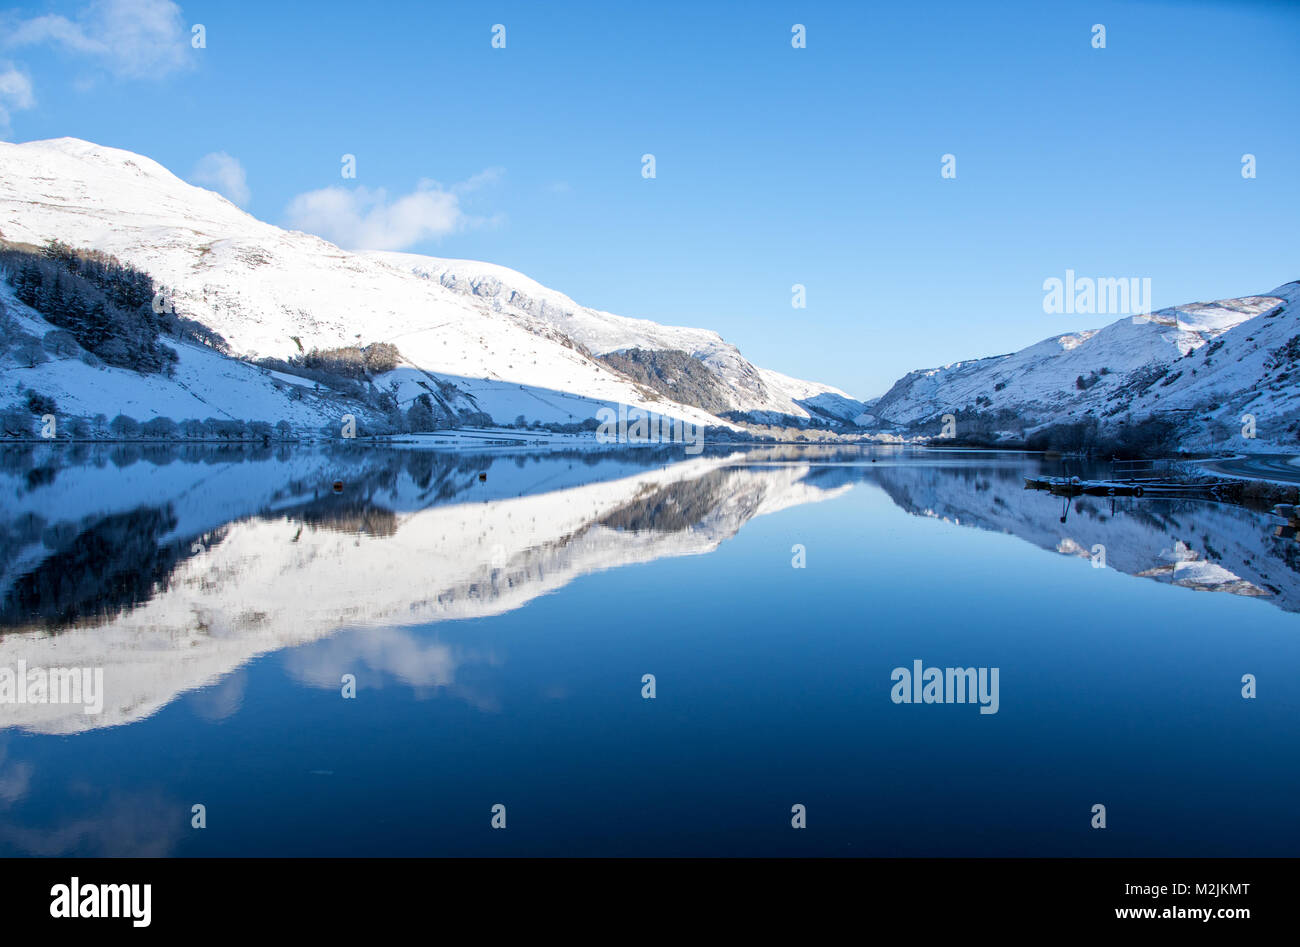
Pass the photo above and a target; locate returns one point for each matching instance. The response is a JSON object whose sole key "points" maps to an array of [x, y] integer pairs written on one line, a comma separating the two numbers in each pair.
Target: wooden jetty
{"points": [[1075, 487], [1291, 528]]}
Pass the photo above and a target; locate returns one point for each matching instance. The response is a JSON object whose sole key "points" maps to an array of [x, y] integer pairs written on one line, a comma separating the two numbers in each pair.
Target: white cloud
{"points": [[15, 93], [223, 174], [129, 38], [365, 219], [488, 176]]}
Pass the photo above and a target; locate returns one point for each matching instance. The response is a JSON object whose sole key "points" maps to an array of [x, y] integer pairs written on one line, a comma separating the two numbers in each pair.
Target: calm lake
{"points": [[369, 667]]}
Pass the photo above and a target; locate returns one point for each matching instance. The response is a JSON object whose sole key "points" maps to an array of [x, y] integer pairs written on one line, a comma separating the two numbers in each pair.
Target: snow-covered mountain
{"points": [[508, 344], [751, 389], [1201, 366]]}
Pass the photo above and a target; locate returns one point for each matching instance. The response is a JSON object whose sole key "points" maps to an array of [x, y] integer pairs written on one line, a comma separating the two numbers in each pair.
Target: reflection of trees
{"points": [[107, 564], [357, 516], [116, 563], [671, 508], [103, 566], [19, 532], [1290, 555]]}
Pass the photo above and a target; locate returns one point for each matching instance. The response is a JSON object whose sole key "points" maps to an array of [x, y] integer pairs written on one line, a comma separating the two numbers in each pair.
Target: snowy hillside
{"points": [[1200, 366], [206, 384], [510, 345], [1253, 369], [753, 389]]}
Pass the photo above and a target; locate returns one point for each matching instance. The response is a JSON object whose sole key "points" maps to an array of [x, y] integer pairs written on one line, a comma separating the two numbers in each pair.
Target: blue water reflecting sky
{"points": [[507, 668]]}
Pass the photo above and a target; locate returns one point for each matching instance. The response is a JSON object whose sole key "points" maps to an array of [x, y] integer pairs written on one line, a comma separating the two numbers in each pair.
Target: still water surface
{"points": [[499, 612]]}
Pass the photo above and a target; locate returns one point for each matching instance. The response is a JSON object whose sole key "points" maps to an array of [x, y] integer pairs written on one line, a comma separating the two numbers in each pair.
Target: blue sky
{"points": [[775, 166]]}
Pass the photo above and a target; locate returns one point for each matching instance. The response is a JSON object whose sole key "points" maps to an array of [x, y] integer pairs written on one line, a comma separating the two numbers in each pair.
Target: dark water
{"points": [[499, 630]]}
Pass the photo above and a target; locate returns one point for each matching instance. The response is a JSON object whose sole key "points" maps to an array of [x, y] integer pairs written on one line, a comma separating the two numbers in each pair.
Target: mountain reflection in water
{"points": [[173, 569]]}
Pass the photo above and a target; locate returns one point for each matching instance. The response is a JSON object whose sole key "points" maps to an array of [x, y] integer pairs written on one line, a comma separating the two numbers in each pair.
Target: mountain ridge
{"points": [[1205, 368], [275, 293], [480, 339]]}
